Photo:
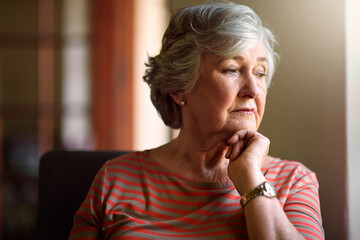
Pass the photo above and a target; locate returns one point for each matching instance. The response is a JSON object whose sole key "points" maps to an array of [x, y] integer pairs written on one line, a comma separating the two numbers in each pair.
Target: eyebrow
{"points": [[259, 59], [262, 59]]}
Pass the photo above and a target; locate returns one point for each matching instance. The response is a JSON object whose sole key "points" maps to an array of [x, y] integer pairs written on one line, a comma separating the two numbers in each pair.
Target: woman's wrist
{"points": [[245, 181]]}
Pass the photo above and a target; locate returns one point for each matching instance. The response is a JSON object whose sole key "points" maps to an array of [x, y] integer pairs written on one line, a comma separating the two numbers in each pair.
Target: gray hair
{"points": [[223, 28]]}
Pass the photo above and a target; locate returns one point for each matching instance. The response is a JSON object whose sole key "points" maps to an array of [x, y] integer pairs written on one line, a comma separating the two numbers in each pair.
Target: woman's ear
{"points": [[178, 97]]}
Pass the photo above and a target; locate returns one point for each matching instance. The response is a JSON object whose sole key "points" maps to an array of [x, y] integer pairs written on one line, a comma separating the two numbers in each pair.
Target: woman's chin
{"points": [[234, 128], [244, 122], [251, 125]]}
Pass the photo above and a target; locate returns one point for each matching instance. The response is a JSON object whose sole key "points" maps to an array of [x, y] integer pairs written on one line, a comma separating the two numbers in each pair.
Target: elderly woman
{"points": [[215, 180]]}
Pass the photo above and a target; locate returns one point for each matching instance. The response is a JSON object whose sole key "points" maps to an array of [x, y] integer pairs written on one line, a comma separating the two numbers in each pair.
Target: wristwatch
{"points": [[264, 189]]}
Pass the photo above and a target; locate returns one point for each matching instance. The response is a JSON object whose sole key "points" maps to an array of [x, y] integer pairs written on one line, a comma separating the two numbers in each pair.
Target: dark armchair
{"points": [[64, 180]]}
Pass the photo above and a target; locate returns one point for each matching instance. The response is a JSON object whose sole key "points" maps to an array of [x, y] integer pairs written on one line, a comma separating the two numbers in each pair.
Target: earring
{"points": [[182, 103]]}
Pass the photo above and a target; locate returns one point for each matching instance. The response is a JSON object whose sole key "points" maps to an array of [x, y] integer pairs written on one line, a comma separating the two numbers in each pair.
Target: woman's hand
{"points": [[249, 146], [265, 218], [247, 153]]}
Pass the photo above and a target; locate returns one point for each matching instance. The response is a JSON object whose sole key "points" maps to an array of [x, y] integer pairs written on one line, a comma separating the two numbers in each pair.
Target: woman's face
{"points": [[229, 95]]}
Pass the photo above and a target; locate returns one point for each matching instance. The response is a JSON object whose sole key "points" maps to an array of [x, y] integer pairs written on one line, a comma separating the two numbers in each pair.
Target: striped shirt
{"points": [[134, 197]]}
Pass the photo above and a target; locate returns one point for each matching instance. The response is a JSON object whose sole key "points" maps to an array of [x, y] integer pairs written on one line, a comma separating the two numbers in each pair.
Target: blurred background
{"points": [[71, 78]]}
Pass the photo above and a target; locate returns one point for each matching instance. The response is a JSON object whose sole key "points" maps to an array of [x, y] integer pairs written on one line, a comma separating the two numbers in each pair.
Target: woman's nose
{"points": [[248, 86]]}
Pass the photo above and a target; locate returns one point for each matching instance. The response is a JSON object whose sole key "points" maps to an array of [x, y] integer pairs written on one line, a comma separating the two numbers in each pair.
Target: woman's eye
{"points": [[230, 71], [260, 74]]}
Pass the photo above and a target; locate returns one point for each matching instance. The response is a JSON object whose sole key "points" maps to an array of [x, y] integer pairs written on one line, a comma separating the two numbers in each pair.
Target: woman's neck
{"points": [[194, 158]]}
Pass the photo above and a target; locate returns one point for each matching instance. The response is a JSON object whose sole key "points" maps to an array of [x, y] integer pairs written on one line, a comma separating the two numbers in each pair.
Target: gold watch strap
{"points": [[264, 189]]}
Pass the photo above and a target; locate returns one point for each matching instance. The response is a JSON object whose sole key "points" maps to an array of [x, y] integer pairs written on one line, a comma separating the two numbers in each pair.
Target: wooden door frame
{"points": [[112, 73]]}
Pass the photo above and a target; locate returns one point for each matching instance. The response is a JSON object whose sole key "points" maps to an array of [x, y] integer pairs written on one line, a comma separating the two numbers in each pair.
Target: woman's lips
{"points": [[248, 111]]}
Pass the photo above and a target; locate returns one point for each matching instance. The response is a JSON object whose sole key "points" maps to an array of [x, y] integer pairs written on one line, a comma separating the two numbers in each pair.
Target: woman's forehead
{"points": [[256, 53]]}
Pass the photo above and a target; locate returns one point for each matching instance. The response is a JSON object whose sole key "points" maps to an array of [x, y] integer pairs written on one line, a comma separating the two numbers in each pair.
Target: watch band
{"points": [[264, 189]]}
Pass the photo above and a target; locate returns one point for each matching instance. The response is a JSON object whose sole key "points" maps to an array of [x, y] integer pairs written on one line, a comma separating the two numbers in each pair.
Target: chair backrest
{"points": [[64, 180]]}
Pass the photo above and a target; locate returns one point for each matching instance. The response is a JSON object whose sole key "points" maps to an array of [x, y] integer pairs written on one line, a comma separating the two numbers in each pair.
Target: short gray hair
{"points": [[223, 28]]}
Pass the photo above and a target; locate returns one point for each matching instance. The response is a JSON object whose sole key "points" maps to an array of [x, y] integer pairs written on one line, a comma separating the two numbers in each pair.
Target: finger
{"points": [[234, 138], [235, 152], [258, 146], [241, 134], [237, 149], [258, 140]]}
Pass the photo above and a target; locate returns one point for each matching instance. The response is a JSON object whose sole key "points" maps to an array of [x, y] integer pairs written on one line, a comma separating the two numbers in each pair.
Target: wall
{"points": [[151, 18], [353, 115], [305, 116]]}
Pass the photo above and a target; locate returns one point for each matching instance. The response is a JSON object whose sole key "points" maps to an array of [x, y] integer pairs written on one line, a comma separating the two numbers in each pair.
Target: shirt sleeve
{"points": [[89, 217], [302, 205]]}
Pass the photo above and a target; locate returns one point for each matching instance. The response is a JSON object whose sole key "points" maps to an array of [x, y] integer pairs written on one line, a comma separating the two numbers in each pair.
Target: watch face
{"points": [[270, 190]]}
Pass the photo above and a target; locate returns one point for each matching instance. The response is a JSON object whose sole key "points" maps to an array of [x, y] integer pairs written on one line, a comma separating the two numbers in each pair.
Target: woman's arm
{"points": [[265, 217]]}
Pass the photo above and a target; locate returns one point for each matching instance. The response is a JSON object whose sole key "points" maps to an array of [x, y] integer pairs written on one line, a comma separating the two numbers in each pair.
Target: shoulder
{"points": [[293, 182], [280, 165], [130, 163], [278, 170], [132, 158]]}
